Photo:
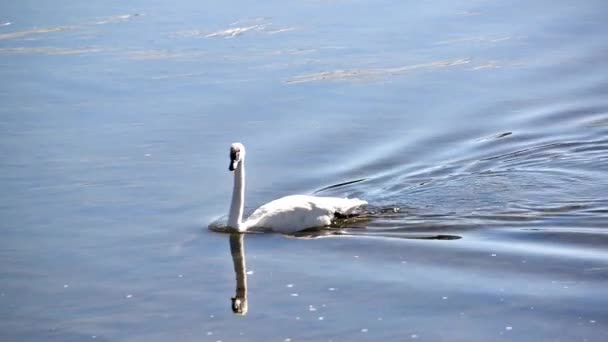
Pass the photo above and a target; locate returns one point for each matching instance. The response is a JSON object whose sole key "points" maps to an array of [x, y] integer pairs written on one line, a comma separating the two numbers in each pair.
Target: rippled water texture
{"points": [[476, 130]]}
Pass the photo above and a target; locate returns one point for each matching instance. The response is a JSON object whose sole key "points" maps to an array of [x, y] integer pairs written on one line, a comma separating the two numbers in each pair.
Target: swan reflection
{"points": [[237, 249]]}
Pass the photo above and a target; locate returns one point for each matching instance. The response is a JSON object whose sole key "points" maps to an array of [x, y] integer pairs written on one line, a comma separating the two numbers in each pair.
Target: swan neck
{"points": [[235, 217]]}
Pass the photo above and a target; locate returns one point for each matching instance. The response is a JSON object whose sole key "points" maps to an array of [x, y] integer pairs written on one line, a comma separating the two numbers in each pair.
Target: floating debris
{"points": [[241, 27], [493, 136], [287, 29], [48, 50], [363, 74], [118, 18], [233, 32], [478, 39]]}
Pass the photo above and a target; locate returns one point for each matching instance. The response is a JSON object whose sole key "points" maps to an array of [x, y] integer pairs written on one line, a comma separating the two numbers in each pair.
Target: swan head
{"points": [[237, 155], [239, 305]]}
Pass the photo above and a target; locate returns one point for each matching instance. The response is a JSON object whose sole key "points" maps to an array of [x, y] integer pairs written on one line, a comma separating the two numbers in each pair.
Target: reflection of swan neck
{"points": [[235, 217], [237, 249]]}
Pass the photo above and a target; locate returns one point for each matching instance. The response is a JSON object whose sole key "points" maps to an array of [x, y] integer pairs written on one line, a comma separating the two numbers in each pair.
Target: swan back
{"points": [[297, 212]]}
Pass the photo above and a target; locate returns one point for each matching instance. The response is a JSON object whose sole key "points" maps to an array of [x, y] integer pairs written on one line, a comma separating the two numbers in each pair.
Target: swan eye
{"points": [[234, 154]]}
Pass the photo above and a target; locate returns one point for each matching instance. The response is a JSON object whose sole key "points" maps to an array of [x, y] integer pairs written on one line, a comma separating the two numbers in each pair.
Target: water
{"points": [[479, 130]]}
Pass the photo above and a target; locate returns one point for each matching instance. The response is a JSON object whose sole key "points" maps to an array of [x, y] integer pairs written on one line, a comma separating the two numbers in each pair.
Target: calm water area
{"points": [[477, 130]]}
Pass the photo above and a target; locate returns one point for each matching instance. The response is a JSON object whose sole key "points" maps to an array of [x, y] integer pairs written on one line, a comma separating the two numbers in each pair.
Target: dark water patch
{"points": [[395, 234], [558, 209], [495, 136], [544, 150], [591, 237], [339, 185], [599, 123]]}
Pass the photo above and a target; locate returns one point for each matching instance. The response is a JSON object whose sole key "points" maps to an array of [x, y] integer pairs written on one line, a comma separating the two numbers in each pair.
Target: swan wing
{"points": [[297, 212]]}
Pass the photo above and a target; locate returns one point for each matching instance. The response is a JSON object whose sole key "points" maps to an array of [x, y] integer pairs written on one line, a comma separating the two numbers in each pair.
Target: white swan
{"points": [[287, 214]]}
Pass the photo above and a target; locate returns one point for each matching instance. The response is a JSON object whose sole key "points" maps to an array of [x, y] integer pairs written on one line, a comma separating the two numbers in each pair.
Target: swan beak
{"points": [[233, 164]]}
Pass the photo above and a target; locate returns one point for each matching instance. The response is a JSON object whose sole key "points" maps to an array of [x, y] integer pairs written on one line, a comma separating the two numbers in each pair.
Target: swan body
{"points": [[296, 212], [287, 214]]}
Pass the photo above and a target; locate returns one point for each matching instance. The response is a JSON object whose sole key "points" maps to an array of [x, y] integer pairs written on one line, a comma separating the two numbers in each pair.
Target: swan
{"points": [[287, 214]]}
